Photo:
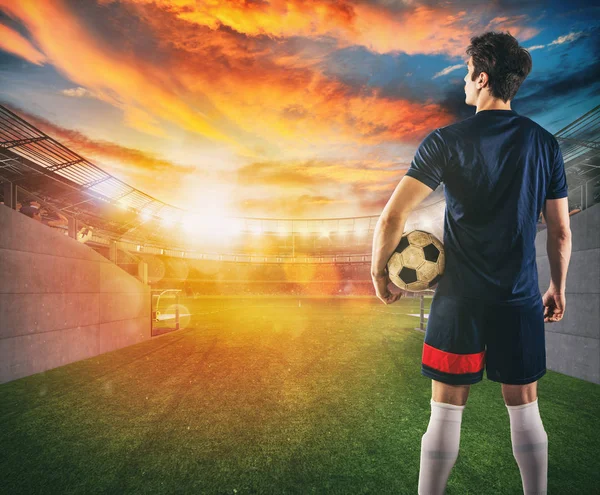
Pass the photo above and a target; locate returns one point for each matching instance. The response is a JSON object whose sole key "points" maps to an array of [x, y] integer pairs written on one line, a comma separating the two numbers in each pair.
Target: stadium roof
{"points": [[580, 146], [42, 155]]}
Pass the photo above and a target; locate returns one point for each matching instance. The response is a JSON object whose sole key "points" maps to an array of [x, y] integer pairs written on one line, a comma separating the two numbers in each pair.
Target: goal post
{"points": [[427, 293], [165, 311]]}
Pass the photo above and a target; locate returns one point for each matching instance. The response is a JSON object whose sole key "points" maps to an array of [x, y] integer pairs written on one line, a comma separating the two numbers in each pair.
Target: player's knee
{"points": [[517, 395], [449, 394]]}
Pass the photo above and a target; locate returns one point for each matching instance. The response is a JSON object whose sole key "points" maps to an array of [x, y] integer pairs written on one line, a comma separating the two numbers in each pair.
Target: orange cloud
{"points": [[283, 98], [242, 94], [226, 74], [319, 113], [124, 82], [295, 106], [13, 42], [137, 118], [313, 173], [415, 29], [517, 25], [337, 187], [282, 207]]}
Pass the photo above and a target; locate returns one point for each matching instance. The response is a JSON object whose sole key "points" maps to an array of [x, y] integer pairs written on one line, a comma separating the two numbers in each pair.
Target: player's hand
{"points": [[381, 282], [554, 305]]}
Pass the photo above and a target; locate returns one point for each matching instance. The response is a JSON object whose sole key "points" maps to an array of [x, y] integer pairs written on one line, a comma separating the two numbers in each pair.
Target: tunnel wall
{"points": [[572, 345], [60, 301]]}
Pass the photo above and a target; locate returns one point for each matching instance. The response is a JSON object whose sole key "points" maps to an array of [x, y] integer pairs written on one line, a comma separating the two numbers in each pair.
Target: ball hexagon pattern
{"points": [[418, 262]]}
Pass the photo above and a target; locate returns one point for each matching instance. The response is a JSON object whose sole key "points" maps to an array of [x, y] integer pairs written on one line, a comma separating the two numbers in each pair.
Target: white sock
{"points": [[439, 447], [530, 447]]}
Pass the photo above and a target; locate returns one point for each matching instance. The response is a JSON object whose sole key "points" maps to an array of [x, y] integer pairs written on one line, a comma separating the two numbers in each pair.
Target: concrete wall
{"points": [[61, 301], [572, 345]]}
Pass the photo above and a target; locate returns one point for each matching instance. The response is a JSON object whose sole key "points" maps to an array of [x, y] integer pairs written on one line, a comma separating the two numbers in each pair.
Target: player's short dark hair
{"points": [[505, 62]]}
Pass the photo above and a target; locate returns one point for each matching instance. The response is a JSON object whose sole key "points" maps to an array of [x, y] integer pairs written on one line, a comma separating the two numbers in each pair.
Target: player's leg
{"points": [[453, 357], [449, 394], [518, 395], [441, 441], [529, 439], [516, 358]]}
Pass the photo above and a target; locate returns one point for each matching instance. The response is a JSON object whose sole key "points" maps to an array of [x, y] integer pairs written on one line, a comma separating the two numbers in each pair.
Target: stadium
{"points": [[148, 348], [281, 303]]}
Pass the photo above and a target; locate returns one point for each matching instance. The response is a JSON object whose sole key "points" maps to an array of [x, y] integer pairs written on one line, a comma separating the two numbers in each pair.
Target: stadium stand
{"points": [[34, 164]]}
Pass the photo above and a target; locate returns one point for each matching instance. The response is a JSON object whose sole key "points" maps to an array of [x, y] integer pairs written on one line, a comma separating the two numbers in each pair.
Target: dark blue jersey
{"points": [[498, 168]]}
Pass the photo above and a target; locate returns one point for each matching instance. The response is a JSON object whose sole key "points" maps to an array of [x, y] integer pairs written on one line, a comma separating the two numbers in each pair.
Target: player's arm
{"points": [[556, 215], [558, 243], [409, 193], [424, 175]]}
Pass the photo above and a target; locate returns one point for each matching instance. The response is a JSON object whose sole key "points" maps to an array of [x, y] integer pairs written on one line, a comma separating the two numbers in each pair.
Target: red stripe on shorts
{"points": [[449, 362]]}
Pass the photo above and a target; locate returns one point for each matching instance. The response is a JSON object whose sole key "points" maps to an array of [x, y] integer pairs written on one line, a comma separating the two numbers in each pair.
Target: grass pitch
{"points": [[263, 396]]}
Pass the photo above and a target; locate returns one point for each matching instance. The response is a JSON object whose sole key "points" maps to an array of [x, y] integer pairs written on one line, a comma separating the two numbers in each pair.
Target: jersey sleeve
{"points": [[430, 160], [558, 180]]}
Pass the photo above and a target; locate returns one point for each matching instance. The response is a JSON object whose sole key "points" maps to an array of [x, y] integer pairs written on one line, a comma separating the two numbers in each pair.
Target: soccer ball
{"points": [[418, 262]]}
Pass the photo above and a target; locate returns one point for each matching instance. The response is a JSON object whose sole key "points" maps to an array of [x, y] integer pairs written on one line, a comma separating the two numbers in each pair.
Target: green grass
{"points": [[267, 397]]}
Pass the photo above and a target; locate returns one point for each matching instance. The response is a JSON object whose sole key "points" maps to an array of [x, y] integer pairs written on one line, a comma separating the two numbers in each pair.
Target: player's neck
{"points": [[492, 105], [494, 108]]}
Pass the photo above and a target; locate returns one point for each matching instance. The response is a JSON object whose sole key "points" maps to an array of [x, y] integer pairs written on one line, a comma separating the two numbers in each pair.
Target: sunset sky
{"points": [[278, 109]]}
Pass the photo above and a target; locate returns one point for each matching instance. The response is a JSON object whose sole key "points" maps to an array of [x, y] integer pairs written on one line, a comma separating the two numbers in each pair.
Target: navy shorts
{"points": [[464, 336]]}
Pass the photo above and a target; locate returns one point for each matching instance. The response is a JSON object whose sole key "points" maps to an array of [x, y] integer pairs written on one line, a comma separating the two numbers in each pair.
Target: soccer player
{"points": [[500, 170]]}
